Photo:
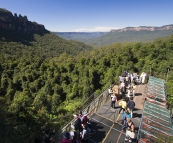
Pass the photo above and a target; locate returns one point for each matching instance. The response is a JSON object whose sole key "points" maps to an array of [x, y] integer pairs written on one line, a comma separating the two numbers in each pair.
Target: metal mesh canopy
{"points": [[155, 122], [155, 91]]}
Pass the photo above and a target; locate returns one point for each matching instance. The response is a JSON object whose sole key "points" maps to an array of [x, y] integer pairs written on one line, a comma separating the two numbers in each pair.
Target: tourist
{"points": [[113, 100], [66, 138], [123, 105], [131, 105], [125, 115], [77, 124], [85, 134], [133, 89], [130, 132]]}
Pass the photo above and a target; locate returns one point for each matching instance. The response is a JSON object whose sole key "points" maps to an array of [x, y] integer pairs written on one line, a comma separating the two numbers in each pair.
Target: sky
{"points": [[92, 15]]}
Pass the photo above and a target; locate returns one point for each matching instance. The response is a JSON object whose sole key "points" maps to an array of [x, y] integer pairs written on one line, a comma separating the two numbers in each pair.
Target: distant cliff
{"points": [[79, 36], [144, 28], [10, 22]]}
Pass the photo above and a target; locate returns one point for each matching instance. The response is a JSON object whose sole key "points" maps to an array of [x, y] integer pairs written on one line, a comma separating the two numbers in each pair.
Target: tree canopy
{"points": [[36, 92]]}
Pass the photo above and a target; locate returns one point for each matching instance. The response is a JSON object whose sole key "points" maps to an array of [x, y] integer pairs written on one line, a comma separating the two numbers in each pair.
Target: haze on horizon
{"points": [[93, 15]]}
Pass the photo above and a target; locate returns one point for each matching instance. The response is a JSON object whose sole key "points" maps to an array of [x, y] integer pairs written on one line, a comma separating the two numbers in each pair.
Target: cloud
{"points": [[95, 29]]}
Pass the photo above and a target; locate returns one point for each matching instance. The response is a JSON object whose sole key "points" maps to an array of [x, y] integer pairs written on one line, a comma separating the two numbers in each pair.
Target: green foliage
{"points": [[128, 36], [38, 92], [47, 45]]}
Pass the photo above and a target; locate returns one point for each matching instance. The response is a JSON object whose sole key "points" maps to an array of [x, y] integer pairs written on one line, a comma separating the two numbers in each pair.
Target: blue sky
{"points": [[92, 15]]}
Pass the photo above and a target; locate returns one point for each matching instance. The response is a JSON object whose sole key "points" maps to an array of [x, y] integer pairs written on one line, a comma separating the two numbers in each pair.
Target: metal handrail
{"points": [[90, 109]]}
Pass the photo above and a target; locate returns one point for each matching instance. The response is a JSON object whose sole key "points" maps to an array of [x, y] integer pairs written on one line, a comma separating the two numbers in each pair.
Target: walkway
{"points": [[107, 122]]}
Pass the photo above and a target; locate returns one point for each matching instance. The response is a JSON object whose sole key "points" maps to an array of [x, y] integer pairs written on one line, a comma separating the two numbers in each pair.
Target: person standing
{"points": [[130, 132], [80, 115], [66, 138], [77, 124], [123, 87], [72, 131], [126, 81], [131, 77], [120, 79], [113, 99], [131, 106], [123, 105], [133, 89], [85, 134], [75, 139], [129, 90], [110, 91], [125, 115]]}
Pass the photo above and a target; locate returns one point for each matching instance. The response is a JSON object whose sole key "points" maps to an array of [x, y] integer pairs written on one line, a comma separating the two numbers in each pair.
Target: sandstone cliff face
{"points": [[144, 28], [11, 22]]}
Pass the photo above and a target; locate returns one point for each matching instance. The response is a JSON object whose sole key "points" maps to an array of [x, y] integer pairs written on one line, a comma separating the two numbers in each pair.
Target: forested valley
{"points": [[39, 91]]}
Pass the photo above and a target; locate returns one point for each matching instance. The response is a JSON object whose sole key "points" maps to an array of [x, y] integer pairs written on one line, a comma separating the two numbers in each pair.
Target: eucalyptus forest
{"points": [[39, 88]]}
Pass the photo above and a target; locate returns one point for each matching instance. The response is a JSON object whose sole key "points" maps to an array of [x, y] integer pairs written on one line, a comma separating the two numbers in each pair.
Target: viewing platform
{"points": [[152, 119], [107, 121]]}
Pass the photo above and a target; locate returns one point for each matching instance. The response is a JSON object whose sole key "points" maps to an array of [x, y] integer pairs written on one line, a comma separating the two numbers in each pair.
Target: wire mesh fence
{"points": [[156, 91], [91, 105], [156, 120]]}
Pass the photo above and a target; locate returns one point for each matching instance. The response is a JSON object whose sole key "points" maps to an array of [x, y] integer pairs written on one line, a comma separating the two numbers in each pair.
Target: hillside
{"points": [[79, 36], [18, 36], [129, 36]]}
